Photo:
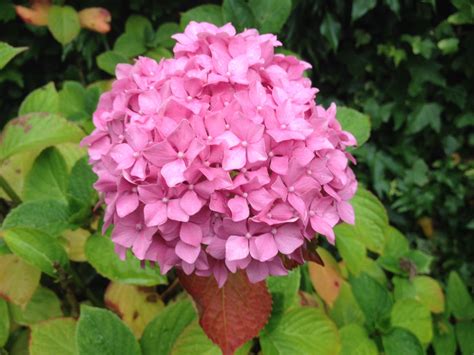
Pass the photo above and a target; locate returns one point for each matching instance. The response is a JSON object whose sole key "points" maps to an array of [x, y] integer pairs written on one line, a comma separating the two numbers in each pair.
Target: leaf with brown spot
{"points": [[18, 280], [233, 314], [137, 306], [326, 279]]}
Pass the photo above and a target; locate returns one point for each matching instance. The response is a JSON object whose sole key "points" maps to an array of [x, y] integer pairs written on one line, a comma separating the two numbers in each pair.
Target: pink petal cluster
{"points": [[219, 159]]}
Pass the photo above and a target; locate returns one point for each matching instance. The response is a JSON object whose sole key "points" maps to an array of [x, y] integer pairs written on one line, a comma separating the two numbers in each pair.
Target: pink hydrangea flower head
{"points": [[219, 159]]}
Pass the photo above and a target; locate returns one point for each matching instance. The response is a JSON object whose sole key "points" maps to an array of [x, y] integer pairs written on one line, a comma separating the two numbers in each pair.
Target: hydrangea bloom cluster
{"points": [[219, 159]]}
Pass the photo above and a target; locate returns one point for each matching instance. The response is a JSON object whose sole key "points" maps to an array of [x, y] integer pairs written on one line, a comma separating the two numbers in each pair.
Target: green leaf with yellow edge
{"points": [[137, 306], [43, 305], [38, 249], [37, 131], [371, 220], [326, 279], [301, 331], [8, 52], [356, 341], [345, 309], [43, 99], [63, 23], [74, 241], [355, 122], [352, 250], [18, 280], [413, 316], [458, 297], [100, 253], [4, 322], [161, 333], [47, 178], [54, 336], [401, 342], [100, 331], [423, 289], [444, 339]]}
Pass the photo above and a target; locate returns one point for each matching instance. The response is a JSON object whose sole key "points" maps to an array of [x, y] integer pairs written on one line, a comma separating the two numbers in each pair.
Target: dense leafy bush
{"points": [[410, 73]]}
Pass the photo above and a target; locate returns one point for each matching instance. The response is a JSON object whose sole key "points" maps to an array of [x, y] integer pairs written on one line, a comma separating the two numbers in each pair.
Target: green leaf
{"points": [[423, 289], [396, 244], [239, 13], [345, 309], [444, 340], [129, 45], [458, 297], [193, 340], [139, 27], [164, 33], [330, 28], [100, 253], [413, 316], [204, 13], [271, 15], [37, 248], [72, 100], [370, 220], [47, 216], [4, 322], [161, 333], [43, 99], [301, 331], [159, 53], [394, 5], [80, 191], [352, 250], [63, 23], [374, 300], [19, 344], [54, 336], [361, 7], [428, 114], [47, 178], [420, 260], [107, 61], [401, 342], [464, 331], [7, 53], [284, 291], [372, 269], [101, 332], [355, 122], [36, 131], [449, 45], [43, 305], [356, 341]]}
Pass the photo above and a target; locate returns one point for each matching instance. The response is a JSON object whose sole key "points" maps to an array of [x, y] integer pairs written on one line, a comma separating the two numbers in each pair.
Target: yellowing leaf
{"points": [[137, 306], [75, 242], [18, 280], [326, 279]]}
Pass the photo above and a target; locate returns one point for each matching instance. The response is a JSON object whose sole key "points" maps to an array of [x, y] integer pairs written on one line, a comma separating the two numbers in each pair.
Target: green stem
{"points": [[16, 200]]}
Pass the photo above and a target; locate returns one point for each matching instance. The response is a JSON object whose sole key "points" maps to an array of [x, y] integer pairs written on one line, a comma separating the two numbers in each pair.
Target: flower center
{"points": [[291, 189], [136, 154], [248, 235], [180, 155], [165, 200], [244, 143], [245, 195]]}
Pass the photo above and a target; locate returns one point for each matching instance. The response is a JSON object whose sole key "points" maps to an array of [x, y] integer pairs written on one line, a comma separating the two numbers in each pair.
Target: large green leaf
{"points": [[356, 341], [139, 27], [107, 61], [361, 7], [413, 316], [374, 299], [129, 45], [396, 247], [162, 332], [352, 250], [37, 248], [37, 131], [43, 305], [444, 339], [100, 331], [193, 340], [80, 192], [48, 216], [73, 101], [239, 13], [346, 310], [164, 33], [284, 290], [63, 22], [47, 178], [4, 322], [204, 13], [271, 15], [43, 99], [401, 342], [7, 53], [100, 253], [301, 331], [330, 28], [423, 289], [355, 122], [54, 336], [458, 297], [464, 332]]}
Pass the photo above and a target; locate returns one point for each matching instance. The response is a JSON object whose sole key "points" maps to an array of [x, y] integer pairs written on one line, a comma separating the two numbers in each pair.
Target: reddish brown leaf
{"points": [[233, 314]]}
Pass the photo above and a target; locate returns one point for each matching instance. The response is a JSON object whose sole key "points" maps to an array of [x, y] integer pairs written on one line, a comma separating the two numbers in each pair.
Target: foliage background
{"points": [[406, 64]]}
